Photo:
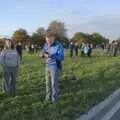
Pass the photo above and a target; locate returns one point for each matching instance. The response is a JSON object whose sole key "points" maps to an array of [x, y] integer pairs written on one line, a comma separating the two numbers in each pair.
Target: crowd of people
{"points": [[31, 48], [114, 48], [53, 53], [85, 49]]}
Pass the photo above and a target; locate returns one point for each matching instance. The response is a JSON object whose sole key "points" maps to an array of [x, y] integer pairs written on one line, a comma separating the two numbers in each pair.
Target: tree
{"points": [[97, 39], [41, 31], [38, 37], [58, 28], [80, 37], [20, 35]]}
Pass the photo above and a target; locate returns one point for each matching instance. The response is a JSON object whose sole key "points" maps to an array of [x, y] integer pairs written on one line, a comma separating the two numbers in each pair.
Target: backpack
{"points": [[11, 58]]}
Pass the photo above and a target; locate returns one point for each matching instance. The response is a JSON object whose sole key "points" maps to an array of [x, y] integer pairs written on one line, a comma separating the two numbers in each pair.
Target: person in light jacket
{"points": [[53, 53], [9, 60]]}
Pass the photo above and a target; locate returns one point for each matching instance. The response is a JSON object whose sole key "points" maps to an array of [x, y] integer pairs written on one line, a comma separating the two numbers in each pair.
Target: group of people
{"points": [[32, 48], [86, 49], [114, 48], [52, 52]]}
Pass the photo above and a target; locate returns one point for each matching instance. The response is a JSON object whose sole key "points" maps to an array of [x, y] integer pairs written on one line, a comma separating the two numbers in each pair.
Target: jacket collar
{"points": [[53, 44]]}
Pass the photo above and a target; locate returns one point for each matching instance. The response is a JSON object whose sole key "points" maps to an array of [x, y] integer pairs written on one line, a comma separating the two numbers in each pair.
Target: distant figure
{"points": [[9, 59], [32, 48], [115, 48], [76, 49], [19, 49], [108, 47], [27, 48], [89, 50], [118, 47], [103, 45], [64, 45], [71, 49], [86, 50], [36, 48], [82, 49]]}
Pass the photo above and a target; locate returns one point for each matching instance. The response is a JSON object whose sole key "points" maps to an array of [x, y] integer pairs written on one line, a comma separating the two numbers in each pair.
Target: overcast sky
{"points": [[79, 15]]}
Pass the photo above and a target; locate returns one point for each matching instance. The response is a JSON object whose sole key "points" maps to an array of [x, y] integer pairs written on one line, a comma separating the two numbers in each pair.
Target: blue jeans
{"points": [[52, 83], [9, 82]]}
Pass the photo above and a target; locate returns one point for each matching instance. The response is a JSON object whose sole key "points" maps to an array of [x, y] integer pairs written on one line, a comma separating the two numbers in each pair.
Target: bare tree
{"points": [[58, 28], [40, 31]]}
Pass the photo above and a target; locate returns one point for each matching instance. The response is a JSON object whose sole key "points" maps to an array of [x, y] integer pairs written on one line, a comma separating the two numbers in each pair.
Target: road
{"points": [[109, 109]]}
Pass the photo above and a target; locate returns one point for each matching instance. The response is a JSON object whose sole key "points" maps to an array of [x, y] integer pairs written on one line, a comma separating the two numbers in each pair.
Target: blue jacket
{"points": [[55, 52]]}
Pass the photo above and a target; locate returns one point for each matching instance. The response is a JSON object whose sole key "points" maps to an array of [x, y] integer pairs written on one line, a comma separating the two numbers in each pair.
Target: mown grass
{"points": [[84, 83]]}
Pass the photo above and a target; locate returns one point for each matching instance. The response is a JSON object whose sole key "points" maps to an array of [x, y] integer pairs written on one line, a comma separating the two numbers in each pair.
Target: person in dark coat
{"points": [[76, 49], [71, 49], [19, 49]]}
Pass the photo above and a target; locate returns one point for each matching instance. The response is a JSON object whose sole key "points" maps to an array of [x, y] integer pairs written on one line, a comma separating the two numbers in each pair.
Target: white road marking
{"points": [[95, 110], [111, 112]]}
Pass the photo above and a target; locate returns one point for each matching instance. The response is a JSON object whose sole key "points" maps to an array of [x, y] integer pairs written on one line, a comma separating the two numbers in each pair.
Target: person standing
{"points": [[19, 49], [36, 48], [9, 59], [82, 49], [53, 53], [32, 48], [115, 48], [103, 45], [89, 50], [86, 49], [71, 49], [76, 49]]}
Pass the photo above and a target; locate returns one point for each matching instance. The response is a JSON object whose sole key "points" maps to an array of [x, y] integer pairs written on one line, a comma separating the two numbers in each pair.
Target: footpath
{"points": [[109, 109]]}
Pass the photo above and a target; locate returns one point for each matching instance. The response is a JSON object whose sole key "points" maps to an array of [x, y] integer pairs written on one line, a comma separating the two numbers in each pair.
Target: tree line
{"points": [[59, 29]]}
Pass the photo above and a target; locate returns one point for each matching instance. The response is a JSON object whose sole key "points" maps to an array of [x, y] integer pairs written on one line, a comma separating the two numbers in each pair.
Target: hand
{"points": [[46, 55], [41, 55]]}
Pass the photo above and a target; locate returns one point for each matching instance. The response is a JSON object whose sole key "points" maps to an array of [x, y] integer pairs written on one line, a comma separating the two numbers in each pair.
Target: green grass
{"points": [[84, 83]]}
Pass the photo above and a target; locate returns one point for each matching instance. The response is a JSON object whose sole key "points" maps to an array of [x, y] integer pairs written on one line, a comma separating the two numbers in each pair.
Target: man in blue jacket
{"points": [[54, 54]]}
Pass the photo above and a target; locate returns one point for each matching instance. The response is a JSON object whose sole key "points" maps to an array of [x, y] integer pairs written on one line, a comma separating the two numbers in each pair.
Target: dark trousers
{"points": [[76, 52], [9, 82], [71, 52]]}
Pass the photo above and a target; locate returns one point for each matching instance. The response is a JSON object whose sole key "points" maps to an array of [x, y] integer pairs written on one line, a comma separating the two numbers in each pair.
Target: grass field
{"points": [[84, 83]]}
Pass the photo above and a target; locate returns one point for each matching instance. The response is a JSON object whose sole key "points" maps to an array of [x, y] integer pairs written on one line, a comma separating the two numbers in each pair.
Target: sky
{"points": [[78, 15]]}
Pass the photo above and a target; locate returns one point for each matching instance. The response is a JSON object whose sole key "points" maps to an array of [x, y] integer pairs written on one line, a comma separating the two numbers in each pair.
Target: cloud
{"points": [[108, 25]]}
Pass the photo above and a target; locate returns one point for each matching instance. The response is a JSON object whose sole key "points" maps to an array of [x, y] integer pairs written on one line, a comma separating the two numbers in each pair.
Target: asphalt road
{"points": [[109, 109]]}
